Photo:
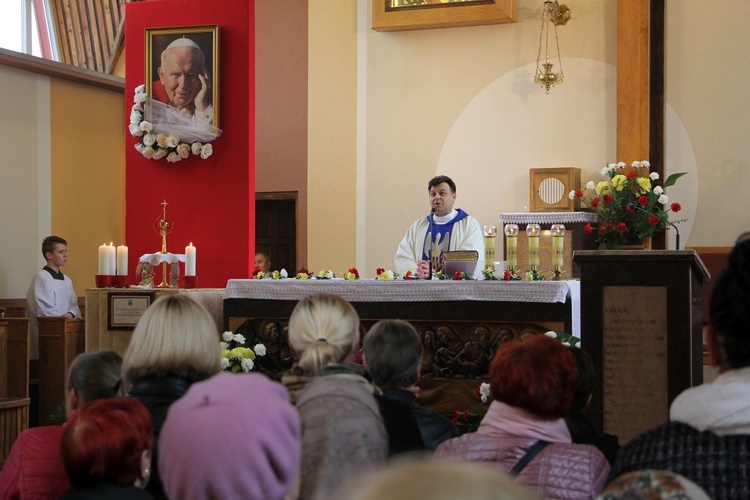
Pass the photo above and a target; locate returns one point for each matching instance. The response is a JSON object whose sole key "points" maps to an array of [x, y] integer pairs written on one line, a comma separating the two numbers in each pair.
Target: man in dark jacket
{"points": [[392, 357]]}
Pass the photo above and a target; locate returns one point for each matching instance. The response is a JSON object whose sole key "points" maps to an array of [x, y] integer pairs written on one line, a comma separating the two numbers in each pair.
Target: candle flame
{"points": [[191, 243], [110, 243]]}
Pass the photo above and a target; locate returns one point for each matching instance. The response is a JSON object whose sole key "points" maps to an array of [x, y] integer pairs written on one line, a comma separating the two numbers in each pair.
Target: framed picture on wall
{"points": [[182, 69], [401, 15]]}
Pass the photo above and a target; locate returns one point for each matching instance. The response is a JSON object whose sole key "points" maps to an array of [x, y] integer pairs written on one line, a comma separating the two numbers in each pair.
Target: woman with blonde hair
{"points": [[342, 431], [174, 344]]}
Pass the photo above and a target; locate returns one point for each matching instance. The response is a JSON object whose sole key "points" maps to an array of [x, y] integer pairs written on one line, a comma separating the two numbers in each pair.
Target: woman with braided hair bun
{"points": [[708, 436], [345, 420]]}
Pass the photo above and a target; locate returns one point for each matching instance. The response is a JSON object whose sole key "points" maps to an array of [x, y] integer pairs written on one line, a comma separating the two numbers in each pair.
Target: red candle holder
{"points": [[104, 280], [190, 282], [121, 281]]}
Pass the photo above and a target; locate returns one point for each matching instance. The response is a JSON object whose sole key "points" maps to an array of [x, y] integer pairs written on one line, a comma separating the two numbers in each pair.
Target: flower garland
{"points": [[158, 146]]}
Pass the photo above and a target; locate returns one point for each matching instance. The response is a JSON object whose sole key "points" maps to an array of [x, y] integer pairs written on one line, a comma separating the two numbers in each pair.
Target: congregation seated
{"points": [[174, 344], [581, 429], [523, 432], [392, 358], [34, 468], [232, 436], [343, 434], [708, 436], [106, 450]]}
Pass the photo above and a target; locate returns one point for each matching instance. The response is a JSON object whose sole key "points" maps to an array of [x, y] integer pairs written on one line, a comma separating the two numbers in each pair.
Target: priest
{"points": [[444, 229]]}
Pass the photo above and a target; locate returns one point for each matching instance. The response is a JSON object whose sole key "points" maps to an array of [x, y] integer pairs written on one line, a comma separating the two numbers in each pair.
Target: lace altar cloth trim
{"points": [[547, 218], [371, 290]]}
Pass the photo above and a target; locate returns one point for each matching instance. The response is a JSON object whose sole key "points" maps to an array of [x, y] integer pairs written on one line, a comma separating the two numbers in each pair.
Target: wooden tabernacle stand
{"points": [[641, 324]]}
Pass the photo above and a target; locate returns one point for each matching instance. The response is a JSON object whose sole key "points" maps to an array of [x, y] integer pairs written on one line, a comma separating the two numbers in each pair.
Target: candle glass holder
{"points": [[489, 247], [511, 247], [533, 231], [558, 239]]}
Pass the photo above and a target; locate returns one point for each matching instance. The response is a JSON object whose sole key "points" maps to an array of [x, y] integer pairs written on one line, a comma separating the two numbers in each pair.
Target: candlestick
{"points": [[558, 237], [511, 247], [103, 262], [122, 260], [190, 260], [533, 231], [489, 247]]}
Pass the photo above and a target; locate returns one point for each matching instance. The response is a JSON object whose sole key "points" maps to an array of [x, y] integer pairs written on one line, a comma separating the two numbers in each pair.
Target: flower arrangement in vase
{"points": [[629, 206]]}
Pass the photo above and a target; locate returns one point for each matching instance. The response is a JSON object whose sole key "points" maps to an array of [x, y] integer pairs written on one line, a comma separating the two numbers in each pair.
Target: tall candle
{"points": [[533, 250], [511, 250], [122, 260], [557, 251], [533, 231], [103, 262], [190, 260], [111, 258]]}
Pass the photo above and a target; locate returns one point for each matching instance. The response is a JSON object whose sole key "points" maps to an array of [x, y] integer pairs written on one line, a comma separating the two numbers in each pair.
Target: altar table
{"points": [[461, 323]]}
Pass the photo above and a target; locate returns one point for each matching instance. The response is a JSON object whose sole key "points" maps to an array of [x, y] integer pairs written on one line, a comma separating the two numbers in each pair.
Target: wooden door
{"points": [[276, 229]]}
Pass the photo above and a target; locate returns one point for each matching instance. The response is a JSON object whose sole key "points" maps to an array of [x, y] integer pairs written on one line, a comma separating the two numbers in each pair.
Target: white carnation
{"points": [[572, 194], [239, 338], [247, 364], [590, 185], [260, 349], [658, 190], [551, 334], [654, 176], [224, 363], [663, 199], [284, 274], [227, 336], [223, 346]]}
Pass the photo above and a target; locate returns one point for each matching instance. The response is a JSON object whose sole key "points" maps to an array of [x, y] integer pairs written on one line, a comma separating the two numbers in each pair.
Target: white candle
{"points": [[103, 259], [557, 251], [111, 259], [190, 260], [122, 260]]}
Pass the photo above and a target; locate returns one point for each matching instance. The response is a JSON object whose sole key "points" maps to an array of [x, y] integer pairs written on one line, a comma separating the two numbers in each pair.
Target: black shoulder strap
{"points": [[528, 457]]}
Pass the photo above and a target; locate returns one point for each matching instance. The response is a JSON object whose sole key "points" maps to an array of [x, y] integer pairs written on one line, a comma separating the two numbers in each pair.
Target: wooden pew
{"points": [[60, 341], [14, 382]]}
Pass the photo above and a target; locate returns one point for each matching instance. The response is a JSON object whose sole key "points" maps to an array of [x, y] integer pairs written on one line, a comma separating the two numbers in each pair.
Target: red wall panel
{"points": [[212, 201]]}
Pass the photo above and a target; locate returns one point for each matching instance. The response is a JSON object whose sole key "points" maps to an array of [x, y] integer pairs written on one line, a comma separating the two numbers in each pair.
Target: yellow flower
{"points": [[619, 182], [644, 184], [603, 188], [225, 353], [242, 352]]}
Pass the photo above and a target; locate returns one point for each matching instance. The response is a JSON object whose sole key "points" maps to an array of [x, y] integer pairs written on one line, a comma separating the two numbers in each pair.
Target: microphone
{"points": [[432, 241], [633, 206]]}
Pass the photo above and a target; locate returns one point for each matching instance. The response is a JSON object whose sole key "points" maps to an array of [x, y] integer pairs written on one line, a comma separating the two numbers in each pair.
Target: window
{"points": [[25, 27]]}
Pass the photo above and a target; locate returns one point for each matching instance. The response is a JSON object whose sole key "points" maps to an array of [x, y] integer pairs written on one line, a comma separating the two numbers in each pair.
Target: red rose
{"points": [[379, 271], [506, 275], [643, 200], [408, 275], [354, 271], [457, 275], [621, 227], [632, 174], [653, 220], [676, 207], [608, 199], [256, 271], [610, 225], [303, 271], [630, 209], [595, 202], [601, 229], [579, 194], [587, 228]]}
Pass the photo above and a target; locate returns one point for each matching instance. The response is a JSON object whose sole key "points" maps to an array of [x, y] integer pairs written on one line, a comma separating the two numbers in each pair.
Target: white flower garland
{"points": [[158, 146]]}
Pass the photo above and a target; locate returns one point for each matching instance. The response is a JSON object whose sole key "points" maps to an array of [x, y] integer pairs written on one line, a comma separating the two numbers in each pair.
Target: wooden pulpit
{"points": [[14, 381], [641, 315]]}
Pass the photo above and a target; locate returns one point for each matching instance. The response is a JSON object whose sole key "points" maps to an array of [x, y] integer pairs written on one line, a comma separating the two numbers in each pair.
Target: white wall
{"points": [[25, 185]]}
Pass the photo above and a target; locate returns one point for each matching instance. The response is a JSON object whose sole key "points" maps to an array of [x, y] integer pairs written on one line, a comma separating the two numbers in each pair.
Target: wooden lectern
{"points": [[641, 314]]}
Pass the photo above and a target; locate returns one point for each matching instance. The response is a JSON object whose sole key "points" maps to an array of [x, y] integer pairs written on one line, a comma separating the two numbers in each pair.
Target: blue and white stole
{"points": [[442, 234]]}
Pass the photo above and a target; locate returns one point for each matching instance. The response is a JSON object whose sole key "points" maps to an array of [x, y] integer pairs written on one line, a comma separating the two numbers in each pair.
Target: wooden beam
{"points": [[632, 80]]}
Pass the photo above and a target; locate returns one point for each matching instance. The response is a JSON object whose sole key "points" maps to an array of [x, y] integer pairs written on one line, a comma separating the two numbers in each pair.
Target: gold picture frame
{"points": [[206, 37], [428, 14]]}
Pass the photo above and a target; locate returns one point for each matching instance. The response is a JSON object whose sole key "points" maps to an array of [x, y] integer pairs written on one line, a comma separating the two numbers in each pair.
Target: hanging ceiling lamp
{"points": [[558, 15]]}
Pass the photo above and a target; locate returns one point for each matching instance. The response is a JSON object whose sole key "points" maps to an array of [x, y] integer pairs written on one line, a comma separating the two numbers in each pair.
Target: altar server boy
{"points": [[51, 292]]}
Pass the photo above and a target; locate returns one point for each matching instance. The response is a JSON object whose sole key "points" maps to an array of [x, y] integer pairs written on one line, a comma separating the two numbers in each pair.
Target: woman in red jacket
{"points": [[34, 468]]}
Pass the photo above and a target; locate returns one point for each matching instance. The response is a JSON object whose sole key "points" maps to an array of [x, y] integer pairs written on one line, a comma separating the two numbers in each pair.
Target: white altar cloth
{"points": [[372, 290]]}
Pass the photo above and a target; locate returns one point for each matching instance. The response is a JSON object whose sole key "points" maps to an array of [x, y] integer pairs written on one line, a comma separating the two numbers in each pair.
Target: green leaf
{"points": [[672, 179]]}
